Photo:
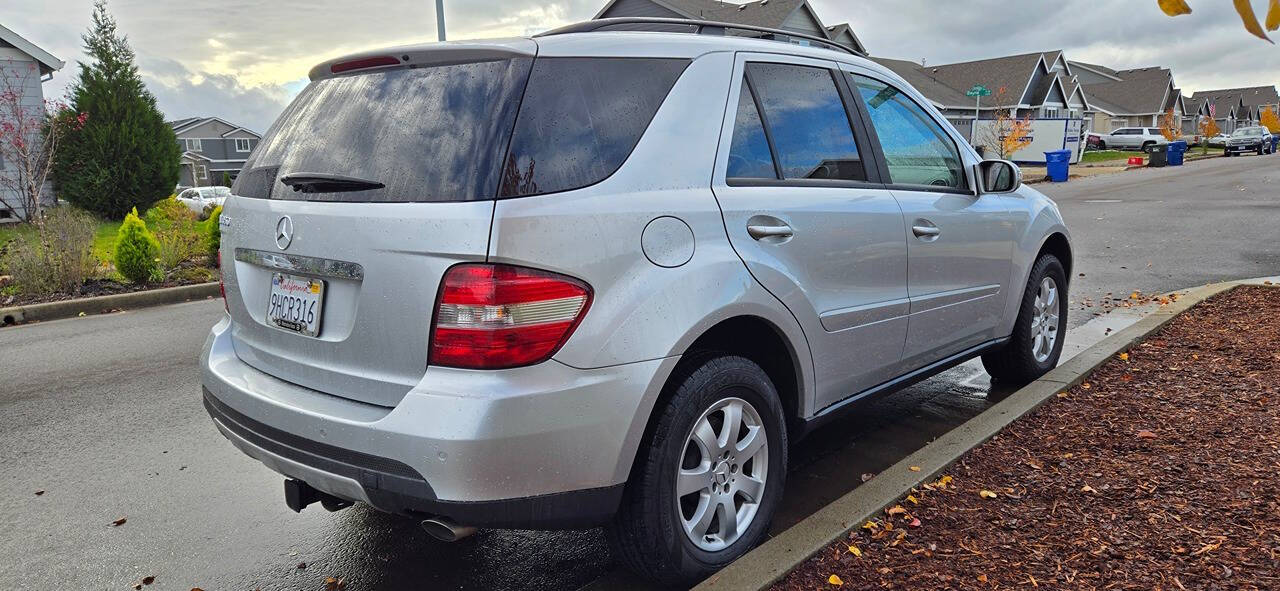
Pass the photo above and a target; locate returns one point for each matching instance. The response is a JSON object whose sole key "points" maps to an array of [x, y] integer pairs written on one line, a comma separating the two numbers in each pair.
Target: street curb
{"points": [[773, 559], [107, 303]]}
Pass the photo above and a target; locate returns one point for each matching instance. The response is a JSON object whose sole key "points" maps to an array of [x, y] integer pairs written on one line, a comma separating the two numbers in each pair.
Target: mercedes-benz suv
{"points": [[605, 277]]}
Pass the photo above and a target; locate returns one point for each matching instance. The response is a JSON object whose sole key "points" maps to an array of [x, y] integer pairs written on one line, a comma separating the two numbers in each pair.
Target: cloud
{"points": [[246, 60]]}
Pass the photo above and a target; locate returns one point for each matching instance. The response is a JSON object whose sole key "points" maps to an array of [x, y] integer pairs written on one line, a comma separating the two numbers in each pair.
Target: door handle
{"points": [[926, 231], [760, 232]]}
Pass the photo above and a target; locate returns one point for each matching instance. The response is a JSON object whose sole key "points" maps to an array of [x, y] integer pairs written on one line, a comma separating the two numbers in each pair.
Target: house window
{"points": [[193, 145], [242, 145], [202, 172]]}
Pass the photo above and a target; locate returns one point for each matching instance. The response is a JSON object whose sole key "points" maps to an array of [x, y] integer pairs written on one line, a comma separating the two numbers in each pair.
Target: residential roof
{"points": [[917, 76], [1252, 96], [185, 124], [843, 33], [1012, 73], [48, 63], [772, 14], [1139, 91], [1105, 71]]}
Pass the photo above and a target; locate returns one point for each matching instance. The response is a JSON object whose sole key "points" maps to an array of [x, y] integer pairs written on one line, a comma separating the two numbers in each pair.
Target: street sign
{"points": [[978, 90]]}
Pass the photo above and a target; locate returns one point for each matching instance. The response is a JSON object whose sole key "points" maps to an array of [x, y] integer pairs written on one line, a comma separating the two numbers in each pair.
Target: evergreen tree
{"points": [[125, 155]]}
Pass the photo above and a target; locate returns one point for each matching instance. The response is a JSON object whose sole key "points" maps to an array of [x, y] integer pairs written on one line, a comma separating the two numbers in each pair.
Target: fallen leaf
{"points": [[943, 482], [867, 476], [1135, 295], [1088, 488], [982, 578], [302, 566], [82, 314], [147, 580], [912, 499], [884, 570], [39, 492], [896, 510], [871, 525], [1124, 357], [1086, 385], [1062, 394], [986, 494], [1175, 7], [332, 584], [834, 580], [137, 586], [917, 468], [119, 522], [1207, 548], [1145, 434], [855, 551], [196, 589], [915, 522]]}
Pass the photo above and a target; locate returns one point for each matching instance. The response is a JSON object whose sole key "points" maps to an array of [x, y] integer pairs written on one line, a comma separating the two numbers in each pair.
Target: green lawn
{"points": [[104, 237], [1108, 155]]}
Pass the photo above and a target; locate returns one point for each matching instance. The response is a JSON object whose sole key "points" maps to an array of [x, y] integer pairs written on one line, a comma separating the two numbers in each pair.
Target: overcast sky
{"points": [[243, 60]]}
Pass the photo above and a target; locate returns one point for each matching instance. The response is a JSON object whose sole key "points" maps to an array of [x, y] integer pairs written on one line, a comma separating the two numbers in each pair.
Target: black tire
{"points": [[1147, 146], [1259, 149], [1015, 362], [647, 535], [1102, 145]]}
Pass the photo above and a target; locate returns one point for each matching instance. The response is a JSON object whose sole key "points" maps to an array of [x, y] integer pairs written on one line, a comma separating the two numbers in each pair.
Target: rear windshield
{"points": [[426, 134], [442, 133]]}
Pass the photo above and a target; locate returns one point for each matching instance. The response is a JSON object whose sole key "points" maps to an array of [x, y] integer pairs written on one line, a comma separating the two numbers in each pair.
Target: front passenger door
{"points": [[959, 243]]}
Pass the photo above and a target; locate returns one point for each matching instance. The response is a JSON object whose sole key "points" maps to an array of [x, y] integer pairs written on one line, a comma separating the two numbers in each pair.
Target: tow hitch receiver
{"points": [[298, 494]]}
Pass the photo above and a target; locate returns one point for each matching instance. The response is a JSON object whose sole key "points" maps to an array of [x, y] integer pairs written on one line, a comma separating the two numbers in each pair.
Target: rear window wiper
{"points": [[321, 182]]}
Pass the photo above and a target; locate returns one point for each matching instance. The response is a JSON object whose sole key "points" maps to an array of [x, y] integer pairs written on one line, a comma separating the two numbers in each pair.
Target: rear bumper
{"points": [[546, 446]]}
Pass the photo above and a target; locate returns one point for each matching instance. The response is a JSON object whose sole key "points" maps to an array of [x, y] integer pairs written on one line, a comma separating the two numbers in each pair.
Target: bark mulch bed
{"points": [[1159, 472], [102, 287]]}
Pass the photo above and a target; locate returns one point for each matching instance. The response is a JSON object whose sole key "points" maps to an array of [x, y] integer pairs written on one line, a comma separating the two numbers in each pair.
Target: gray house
{"points": [[790, 15], [1137, 97], [24, 68], [212, 148], [1234, 107]]}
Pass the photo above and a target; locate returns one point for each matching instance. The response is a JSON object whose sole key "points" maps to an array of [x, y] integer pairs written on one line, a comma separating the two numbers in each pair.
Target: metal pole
{"points": [[440, 20], [973, 130]]}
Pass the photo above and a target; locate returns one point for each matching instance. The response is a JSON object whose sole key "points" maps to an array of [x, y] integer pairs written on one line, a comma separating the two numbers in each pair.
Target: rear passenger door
{"points": [[805, 210], [959, 243]]}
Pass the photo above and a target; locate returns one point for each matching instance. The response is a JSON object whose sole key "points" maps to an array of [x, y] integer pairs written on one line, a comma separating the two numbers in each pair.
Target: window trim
{"points": [[965, 165], [870, 162], [194, 144], [202, 172], [248, 147]]}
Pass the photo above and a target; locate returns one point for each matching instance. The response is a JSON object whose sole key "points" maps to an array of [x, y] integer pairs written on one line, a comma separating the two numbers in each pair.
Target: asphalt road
{"points": [[103, 414]]}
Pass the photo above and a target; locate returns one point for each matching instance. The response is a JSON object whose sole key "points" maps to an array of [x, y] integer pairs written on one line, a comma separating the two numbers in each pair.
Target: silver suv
{"points": [[605, 277]]}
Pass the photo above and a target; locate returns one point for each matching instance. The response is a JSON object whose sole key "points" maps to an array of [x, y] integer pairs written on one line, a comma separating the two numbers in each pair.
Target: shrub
{"points": [[213, 232], [58, 258], [177, 245], [136, 250], [167, 213]]}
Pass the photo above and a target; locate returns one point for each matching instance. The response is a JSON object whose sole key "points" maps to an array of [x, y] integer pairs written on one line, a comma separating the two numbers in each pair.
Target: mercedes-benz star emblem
{"points": [[284, 232]]}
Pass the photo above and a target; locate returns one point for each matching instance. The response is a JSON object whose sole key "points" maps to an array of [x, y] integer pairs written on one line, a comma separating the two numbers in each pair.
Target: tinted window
{"points": [[427, 134], [749, 155], [1154, 131], [580, 119], [807, 121], [916, 149]]}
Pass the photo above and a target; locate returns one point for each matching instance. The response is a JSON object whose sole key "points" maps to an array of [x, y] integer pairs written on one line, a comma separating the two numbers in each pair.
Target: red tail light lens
{"points": [[500, 316], [222, 288], [360, 64]]}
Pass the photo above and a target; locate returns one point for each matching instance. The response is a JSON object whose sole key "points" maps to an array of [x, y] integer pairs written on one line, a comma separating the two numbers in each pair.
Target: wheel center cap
{"points": [[721, 472]]}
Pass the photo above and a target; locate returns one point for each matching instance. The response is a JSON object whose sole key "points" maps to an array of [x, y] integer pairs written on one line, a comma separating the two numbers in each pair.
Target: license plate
{"points": [[296, 304]]}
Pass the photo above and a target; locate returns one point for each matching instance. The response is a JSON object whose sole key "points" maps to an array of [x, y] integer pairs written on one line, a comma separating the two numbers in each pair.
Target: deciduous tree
{"points": [[1244, 8], [1169, 127], [30, 136], [1270, 120], [1006, 134]]}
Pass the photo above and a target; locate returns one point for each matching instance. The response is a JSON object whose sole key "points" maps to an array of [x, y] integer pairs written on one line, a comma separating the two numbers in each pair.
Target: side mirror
{"points": [[999, 176]]}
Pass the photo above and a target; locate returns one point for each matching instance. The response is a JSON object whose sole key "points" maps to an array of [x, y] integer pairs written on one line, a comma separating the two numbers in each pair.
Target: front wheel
{"points": [[1036, 343], [708, 478]]}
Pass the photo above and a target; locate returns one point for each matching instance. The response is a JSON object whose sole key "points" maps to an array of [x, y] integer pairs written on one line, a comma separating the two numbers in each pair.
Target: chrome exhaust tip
{"points": [[445, 530]]}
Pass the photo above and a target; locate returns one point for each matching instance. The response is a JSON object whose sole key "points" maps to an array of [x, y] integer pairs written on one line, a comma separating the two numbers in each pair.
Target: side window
{"points": [[580, 119], [807, 121], [916, 149], [749, 155]]}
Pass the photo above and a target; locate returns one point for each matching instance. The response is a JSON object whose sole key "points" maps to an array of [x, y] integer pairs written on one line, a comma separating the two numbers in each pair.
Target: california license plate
{"points": [[296, 303]]}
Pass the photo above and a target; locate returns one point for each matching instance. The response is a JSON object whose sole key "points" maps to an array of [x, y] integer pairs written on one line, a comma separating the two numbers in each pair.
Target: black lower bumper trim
{"points": [[395, 487]]}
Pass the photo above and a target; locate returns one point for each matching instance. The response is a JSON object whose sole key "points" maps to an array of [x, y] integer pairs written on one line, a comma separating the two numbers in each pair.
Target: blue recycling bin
{"points": [[1059, 163], [1275, 142], [1176, 150]]}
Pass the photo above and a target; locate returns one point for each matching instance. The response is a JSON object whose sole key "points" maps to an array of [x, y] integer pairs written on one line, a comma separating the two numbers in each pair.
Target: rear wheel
{"points": [[1102, 145], [708, 478], [1148, 146], [1036, 343]]}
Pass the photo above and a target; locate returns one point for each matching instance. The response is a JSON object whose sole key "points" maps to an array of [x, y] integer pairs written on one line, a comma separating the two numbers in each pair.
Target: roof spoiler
{"points": [[428, 54], [697, 27]]}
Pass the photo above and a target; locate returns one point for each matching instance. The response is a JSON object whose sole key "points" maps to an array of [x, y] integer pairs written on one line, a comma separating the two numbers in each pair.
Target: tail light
{"points": [[500, 316], [222, 288]]}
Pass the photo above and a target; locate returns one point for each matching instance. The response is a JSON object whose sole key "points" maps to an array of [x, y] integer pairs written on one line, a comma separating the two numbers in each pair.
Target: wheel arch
{"points": [[1057, 245]]}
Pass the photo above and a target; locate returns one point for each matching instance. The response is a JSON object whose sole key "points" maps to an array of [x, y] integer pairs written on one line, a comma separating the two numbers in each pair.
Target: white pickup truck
{"points": [[1129, 138]]}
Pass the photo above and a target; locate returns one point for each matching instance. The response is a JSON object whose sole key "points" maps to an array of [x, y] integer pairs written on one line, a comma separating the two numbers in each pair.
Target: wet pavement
{"points": [[103, 415]]}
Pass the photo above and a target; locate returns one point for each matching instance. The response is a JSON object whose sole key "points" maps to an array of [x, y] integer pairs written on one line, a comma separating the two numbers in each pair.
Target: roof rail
{"points": [[699, 27]]}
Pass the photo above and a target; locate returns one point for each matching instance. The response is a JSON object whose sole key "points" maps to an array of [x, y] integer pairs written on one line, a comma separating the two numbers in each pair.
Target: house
{"points": [[211, 149], [1135, 97], [1037, 85], [1235, 107], [25, 68], [790, 15]]}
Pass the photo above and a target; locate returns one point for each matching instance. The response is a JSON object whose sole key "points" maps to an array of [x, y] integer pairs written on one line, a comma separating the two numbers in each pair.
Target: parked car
{"points": [[1219, 141], [556, 321], [1132, 138], [203, 199], [1249, 139]]}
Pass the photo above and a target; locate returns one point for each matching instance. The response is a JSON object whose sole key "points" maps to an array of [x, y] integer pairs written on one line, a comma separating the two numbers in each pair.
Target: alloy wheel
{"points": [[722, 474], [1044, 323]]}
